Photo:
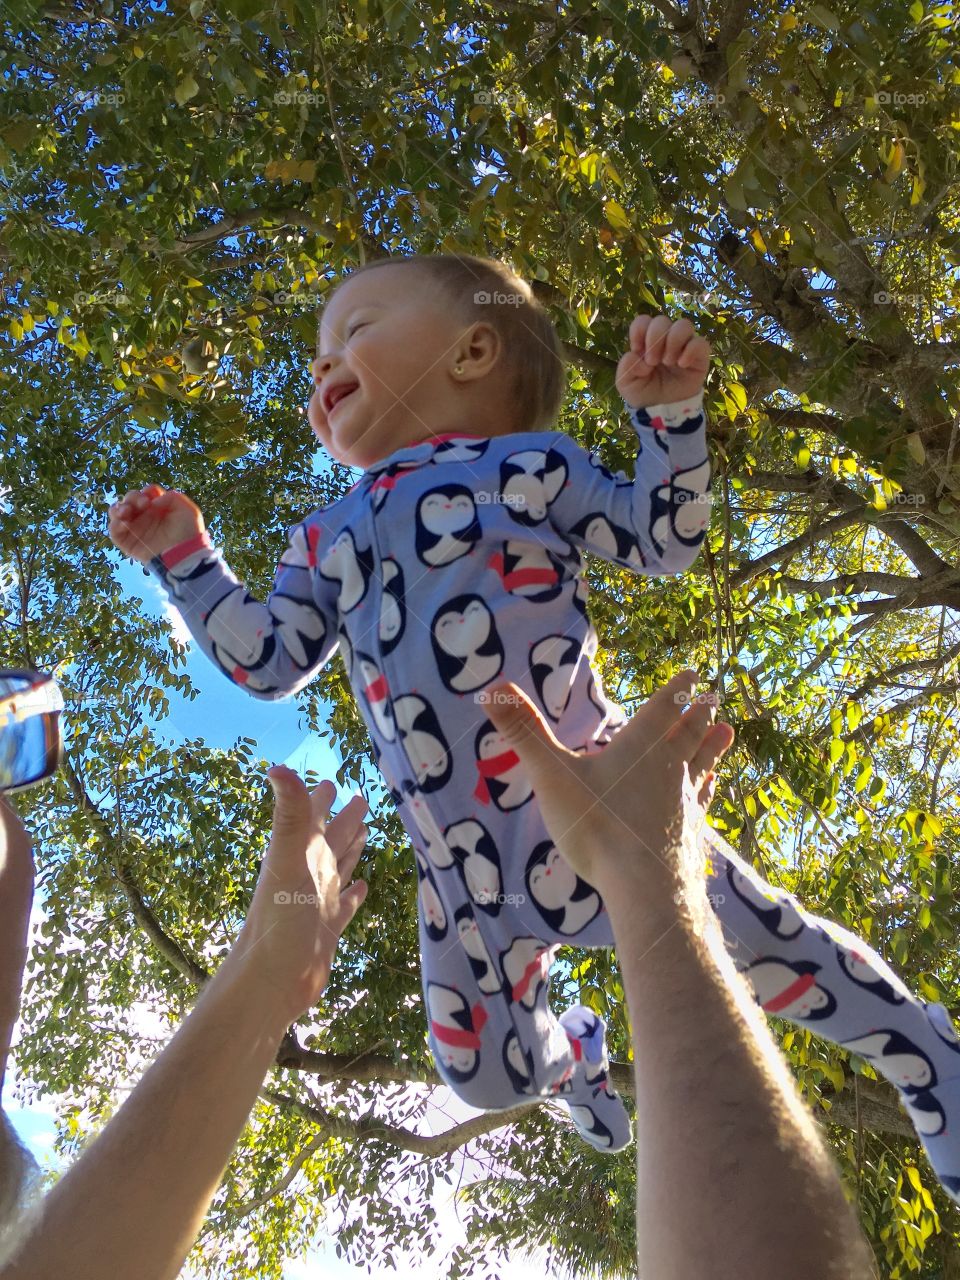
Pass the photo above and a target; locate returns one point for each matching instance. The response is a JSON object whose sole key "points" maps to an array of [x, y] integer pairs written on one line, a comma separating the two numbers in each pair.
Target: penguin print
{"points": [[302, 629], [393, 611], [566, 902], [350, 568], [942, 1024], [471, 844], [896, 1057], [466, 645], [680, 508], [860, 971], [529, 482], [376, 694], [529, 570], [386, 481], [503, 779], [456, 1029], [241, 644], [519, 1064], [618, 478], [790, 990], [779, 915], [423, 741], [473, 944], [431, 907], [553, 664], [525, 965], [426, 825], [462, 449], [588, 1122], [446, 525], [612, 541], [926, 1113]]}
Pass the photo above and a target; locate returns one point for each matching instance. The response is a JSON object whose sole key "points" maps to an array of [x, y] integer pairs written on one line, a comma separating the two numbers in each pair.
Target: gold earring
{"points": [[458, 368]]}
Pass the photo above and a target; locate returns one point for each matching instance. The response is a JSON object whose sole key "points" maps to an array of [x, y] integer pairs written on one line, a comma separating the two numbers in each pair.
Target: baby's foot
{"points": [[595, 1107], [925, 1068]]}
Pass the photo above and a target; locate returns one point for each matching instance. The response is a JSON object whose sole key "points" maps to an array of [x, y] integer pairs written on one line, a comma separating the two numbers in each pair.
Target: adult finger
{"points": [[348, 859], [322, 797], [350, 902], [715, 742], [343, 826], [689, 730], [523, 727], [292, 811], [662, 709]]}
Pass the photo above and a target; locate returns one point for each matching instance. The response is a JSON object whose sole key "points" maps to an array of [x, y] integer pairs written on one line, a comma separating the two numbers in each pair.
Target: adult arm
{"points": [[733, 1178], [16, 896], [133, 1202]]}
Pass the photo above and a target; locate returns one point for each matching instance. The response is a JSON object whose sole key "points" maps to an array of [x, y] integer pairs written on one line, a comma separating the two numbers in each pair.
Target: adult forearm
{"points": [[733, 1178], [134, 1201]]}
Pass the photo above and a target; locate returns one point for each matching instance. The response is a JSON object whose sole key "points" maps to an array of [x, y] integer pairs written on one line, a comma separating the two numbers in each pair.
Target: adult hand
{"points": [[304, 899], [652, 783], [16, 897]]}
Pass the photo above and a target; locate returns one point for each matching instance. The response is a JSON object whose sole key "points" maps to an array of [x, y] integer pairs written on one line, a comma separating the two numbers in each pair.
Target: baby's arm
{"points": [[272, 649], [656, 523]]}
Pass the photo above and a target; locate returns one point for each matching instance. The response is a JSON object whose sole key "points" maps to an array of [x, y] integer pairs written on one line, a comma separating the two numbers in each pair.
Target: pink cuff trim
{"points": [[173, 555]]}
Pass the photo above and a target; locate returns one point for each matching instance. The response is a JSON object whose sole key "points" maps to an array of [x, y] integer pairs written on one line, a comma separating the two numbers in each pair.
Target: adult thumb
{"points": [[525, 729], [291, 811]]}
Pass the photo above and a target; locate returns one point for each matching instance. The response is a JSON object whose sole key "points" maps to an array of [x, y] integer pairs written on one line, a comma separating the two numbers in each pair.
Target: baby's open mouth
{"points": [[338, 394]]}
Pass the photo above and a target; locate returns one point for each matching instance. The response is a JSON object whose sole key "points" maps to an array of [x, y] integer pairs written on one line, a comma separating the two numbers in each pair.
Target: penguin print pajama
{"points": [[456, 564]]}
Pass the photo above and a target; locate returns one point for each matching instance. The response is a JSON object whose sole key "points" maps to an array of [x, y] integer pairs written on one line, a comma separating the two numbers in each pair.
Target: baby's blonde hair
{"points": [[532, 355]]}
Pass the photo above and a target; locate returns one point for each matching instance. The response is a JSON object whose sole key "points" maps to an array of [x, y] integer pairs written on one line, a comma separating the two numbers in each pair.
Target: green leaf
{"points": [[185, 90]]}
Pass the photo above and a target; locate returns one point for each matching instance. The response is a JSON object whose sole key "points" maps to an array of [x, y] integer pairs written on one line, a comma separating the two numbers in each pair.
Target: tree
{"points": [[184, 186]]}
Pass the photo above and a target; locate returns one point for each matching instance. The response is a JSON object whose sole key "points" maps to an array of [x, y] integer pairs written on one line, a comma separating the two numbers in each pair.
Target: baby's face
{"points": [[387, 334]]}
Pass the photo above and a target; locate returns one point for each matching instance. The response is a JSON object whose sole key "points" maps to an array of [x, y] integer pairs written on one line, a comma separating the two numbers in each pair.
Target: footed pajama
{"points": [[454, 565]]}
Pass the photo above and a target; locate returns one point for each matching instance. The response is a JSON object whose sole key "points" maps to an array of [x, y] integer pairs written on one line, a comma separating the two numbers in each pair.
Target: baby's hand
{"points": [[147, 523], [666, 362]]}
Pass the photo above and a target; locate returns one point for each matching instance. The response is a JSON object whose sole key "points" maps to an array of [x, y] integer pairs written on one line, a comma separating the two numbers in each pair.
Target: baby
{"points": [[454, 564]]}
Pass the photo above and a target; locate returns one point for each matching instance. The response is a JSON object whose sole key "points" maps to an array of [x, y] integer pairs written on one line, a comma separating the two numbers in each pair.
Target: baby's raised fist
{"points": [[147, 522]]}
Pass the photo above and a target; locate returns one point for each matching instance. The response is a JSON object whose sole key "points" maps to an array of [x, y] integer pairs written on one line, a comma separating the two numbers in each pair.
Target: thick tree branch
{"points": [[369, 1128], [890, 676], [144, 917]]}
